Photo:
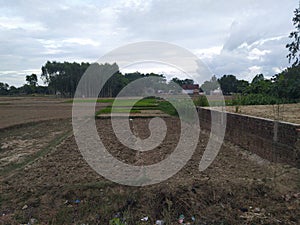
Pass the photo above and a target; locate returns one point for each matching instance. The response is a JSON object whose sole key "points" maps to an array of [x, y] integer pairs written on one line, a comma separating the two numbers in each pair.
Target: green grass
{"points": [[109, 109], [124, 106], [144, 104], [149, 102], [101, 100], [167, 108]]}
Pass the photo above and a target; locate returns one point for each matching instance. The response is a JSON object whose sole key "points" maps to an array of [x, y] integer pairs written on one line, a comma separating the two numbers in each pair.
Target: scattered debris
{"points": [[77, 201], [32, 221], [25, 207], [257, 210], [244, 209], [181, 219], [145, 218], [159, 222]]}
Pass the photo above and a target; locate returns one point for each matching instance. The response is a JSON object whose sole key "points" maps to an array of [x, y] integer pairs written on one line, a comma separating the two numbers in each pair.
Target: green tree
{"points": [[4, 88], [257, 78], [63, 77], [32, 80], [287, 84], [293, 47], [242, 86], [228, 84], [260, 85], [210, 85]]}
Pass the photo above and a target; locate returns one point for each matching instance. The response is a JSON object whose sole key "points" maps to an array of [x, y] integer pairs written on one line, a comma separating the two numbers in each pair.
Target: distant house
{"points": [[191, 89]]}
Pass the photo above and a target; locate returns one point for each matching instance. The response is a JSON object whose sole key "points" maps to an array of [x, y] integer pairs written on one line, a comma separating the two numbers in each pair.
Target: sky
{"points": [[240, 37]]}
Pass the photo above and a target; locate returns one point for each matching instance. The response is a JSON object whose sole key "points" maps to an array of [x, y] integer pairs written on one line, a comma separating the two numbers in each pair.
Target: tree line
{"points": [[62, 78], [282, 87]]}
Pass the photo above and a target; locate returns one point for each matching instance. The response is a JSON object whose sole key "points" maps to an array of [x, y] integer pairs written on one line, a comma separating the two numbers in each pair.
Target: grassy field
{"points": [[133, 106]]}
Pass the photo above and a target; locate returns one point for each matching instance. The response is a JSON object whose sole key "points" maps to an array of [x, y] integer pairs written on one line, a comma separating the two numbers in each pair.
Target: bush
{"points": [[201, 101], [256, 99]]}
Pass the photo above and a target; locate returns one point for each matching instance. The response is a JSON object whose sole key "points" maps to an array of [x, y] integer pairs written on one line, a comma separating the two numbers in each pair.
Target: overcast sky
{"points": [[240, 37]]}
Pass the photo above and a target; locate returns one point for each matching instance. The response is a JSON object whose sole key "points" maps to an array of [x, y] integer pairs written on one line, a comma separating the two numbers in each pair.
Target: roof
{"points": [[190, 86]]}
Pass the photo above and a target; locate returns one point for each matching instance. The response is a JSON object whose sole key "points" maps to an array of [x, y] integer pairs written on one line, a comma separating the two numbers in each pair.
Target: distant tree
{"points": [[286, 85], [210, 85], [260, 85], [242, 85], [293, 47], [228, 84], [32, 80], [63, 77], [13, 90], [257, 78], [4, 88]]}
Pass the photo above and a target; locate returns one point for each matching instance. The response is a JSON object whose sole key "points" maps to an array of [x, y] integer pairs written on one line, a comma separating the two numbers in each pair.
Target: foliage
{"points": [[32, 80], [255, 99], [211, 85], [293, 47], [4, 88], [201, 101], [287, 84], [228, 84], [63, 77], [116, 221]]}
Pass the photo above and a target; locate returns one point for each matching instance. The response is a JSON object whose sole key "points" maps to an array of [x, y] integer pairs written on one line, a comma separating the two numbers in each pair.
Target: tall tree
{"points": [[32, 80], [4, 88], [293, 47], [228, 84], [210, 85]]}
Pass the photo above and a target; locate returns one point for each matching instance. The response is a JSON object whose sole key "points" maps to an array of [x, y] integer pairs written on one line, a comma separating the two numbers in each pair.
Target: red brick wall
{"points": [[276, 141]]}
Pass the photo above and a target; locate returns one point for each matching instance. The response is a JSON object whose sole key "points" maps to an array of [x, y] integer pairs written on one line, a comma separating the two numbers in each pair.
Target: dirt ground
{"points": [[288, 112], [45, 180], [21, 110]]}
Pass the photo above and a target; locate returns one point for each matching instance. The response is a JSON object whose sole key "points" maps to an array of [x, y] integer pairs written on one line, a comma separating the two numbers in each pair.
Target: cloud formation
{"points": [[231, 37]]}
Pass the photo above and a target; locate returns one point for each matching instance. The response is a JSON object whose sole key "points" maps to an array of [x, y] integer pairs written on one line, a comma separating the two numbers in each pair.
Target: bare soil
{"points": [[58, 186], [21, 110]]}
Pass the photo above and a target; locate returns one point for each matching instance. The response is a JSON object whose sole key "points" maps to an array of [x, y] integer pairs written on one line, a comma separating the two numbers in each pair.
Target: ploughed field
{"points": [[45, 180]]}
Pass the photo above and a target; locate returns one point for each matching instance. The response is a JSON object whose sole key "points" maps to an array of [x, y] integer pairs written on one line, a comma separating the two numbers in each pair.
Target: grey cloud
{"points": [[194, 25]]}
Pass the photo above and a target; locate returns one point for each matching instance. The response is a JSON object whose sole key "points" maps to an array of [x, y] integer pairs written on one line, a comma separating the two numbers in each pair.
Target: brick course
{"points": [[276, 141]]}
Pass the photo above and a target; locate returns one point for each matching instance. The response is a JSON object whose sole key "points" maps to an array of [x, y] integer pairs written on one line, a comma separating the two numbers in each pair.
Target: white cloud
{"points": [[208, 53], [230, 36], [19, 23], [256, 54]]}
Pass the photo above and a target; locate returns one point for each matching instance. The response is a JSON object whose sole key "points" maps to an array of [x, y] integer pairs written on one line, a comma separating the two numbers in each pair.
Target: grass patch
{"points": [[109, 109], [148, 102], [123, 106], [104, 100], [167, 108]]}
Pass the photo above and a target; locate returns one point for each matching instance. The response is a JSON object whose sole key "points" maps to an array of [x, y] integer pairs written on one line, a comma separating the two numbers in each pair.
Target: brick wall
{"points": [[276, 141]]}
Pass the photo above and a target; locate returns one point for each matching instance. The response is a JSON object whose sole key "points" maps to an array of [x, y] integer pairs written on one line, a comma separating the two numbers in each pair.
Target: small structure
{"points": [[191, 89]]}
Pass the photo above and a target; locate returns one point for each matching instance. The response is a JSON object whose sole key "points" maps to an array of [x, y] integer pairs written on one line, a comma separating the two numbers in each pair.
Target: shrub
{"points": [[201, 101]]}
